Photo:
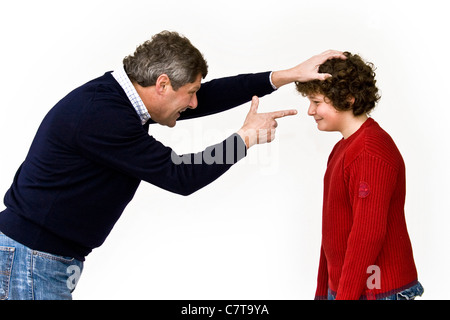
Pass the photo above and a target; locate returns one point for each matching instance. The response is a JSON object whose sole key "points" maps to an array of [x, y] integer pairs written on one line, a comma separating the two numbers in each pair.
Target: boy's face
{"points": [[325, 114]]}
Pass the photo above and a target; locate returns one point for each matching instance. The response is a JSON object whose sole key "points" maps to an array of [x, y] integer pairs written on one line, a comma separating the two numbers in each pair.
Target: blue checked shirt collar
{"points": [[122, 78]]}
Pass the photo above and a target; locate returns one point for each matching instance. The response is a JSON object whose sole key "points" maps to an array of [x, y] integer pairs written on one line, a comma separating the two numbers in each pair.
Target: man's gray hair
{"points": [[166, 53]]}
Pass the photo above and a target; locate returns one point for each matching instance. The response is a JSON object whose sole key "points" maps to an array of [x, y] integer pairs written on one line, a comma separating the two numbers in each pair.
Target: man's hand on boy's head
{"points": [[309, 70], [306, 71]]}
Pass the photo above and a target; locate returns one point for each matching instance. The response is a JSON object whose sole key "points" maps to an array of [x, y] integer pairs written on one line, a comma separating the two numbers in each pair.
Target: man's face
{"points": [[175, 102]]}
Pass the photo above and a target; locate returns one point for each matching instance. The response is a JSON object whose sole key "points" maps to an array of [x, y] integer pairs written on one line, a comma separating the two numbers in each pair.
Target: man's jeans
{"points": [[27, 274]]}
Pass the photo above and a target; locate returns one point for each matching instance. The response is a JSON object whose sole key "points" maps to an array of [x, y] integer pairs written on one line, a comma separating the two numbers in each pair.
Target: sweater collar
{"points": [[366, 123], [122, 78]]}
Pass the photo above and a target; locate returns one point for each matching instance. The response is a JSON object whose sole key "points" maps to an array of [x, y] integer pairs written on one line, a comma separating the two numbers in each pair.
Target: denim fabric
{"points": [[27, 274], [407, 294]]}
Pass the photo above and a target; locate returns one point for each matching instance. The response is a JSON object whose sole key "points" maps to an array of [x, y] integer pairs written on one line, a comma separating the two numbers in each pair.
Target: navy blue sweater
{"points": [[90, 154]]}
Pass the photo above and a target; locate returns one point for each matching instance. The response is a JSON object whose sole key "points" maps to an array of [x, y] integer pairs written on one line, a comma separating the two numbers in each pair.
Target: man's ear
{"points": [[162, 83]]}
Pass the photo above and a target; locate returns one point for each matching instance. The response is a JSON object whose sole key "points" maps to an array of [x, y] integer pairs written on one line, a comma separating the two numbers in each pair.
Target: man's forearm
{"points": [[226, 93]]}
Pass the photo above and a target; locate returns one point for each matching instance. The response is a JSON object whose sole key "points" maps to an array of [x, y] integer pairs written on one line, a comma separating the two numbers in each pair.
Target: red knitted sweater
{"points": [[363, 219]]}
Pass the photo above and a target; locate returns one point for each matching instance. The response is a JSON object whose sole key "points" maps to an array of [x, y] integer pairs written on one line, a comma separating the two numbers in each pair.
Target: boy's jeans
{"points": [[408, 294], [27, 274]]}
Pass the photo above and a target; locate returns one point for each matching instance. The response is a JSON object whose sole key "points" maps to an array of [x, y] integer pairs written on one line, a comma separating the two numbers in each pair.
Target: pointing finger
{"points": [[283, 113]]}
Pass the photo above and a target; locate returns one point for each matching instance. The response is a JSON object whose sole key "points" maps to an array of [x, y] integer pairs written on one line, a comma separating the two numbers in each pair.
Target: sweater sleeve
{"points": [[322, 278], [226, 93], [371, 182], [110, 134]]}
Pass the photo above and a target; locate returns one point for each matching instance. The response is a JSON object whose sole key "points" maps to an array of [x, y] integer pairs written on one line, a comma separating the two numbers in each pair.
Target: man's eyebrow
{"points": [[196, 88]]}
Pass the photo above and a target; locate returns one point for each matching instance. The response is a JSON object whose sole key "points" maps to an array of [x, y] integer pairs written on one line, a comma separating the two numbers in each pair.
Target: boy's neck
{"points": [[352, 124]]}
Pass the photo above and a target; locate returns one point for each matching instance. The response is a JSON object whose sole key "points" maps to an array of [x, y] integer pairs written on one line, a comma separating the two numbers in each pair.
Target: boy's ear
{"points": [[351, 100]]}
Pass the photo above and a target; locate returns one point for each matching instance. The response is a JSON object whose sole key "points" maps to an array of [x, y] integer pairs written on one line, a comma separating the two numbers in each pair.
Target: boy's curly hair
{"points": [[351, 78]]}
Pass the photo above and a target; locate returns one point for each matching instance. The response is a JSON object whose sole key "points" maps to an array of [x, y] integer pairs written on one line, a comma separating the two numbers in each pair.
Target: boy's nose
{"points": [[311, 110]]}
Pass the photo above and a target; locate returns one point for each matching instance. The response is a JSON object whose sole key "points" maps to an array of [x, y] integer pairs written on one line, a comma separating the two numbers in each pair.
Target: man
{"points": [[93, 149]]}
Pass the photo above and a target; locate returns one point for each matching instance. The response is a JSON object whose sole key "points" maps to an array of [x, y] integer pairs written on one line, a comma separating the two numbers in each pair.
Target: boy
{"points": [[366, 251]]}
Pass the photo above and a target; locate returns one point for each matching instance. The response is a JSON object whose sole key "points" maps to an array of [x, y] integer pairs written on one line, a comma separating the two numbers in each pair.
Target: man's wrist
{"points": [[281, 78], [271, 82], [245, 138], [249, 137]]}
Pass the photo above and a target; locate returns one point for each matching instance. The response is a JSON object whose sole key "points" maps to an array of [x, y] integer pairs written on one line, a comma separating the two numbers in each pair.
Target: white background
{"points": [[255, 232]]}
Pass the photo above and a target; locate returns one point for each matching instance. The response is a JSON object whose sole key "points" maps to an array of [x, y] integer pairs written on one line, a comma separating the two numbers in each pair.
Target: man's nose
{"points": [[194, 102]]}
